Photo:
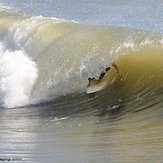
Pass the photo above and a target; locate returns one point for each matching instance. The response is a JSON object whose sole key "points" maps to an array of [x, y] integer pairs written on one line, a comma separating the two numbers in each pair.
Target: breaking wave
{"points": [[45, 58]]}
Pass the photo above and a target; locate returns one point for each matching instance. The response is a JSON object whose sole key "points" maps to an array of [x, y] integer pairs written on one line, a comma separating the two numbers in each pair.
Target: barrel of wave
{"points": [[140, 73]]}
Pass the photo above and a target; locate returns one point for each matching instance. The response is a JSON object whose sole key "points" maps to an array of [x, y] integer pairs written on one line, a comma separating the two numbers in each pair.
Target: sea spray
{"points": [[18, 74]]}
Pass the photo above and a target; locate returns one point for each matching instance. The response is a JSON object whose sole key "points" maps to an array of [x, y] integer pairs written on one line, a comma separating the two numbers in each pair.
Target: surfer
{"points": [[96, 81]]}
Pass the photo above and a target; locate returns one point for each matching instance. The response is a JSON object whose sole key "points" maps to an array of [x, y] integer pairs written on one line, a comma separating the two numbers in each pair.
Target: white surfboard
{"points": [[96, 85]]}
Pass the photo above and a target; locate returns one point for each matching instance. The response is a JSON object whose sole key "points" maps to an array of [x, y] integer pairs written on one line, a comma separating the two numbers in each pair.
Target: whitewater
{"points": [[49, 49]]}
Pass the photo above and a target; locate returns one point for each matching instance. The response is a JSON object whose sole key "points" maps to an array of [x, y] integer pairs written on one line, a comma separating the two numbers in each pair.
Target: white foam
{"points": [[161, 41], [18, 74], [3, 7], [146, 42], [129, 44]]}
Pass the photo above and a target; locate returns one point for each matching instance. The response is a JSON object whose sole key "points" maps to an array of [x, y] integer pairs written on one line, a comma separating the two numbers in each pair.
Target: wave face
{"points": [[45, 58]]}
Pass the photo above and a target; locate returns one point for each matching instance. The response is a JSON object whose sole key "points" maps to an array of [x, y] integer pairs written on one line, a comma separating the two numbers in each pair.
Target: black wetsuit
{"points": [[103, 73]]}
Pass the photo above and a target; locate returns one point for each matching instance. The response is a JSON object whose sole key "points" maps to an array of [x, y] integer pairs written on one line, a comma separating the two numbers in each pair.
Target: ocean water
{"points": [[48, 49]]}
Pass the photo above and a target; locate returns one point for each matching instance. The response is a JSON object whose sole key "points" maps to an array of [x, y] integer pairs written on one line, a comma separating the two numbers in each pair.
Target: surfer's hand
{"points": [[116, 67]]}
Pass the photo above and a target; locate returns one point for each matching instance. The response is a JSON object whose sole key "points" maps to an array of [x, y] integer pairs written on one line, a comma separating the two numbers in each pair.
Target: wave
{"points": [[45, 58]]}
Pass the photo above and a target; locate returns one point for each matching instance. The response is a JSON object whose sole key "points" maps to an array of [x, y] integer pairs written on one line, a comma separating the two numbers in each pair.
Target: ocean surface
{"points": [[48, 49]]}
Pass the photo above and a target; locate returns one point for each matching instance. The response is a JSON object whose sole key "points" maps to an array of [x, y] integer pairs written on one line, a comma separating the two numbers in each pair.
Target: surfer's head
{"points": [[89, 79]]}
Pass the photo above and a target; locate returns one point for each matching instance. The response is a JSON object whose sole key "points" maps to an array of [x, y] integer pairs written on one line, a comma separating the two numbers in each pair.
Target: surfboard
{"points": [[92, 88], [96, 85]]}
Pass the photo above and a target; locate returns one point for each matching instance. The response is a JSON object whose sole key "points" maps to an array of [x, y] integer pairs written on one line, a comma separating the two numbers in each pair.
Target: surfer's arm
{"points": [[115, 66], [101, 75]]}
